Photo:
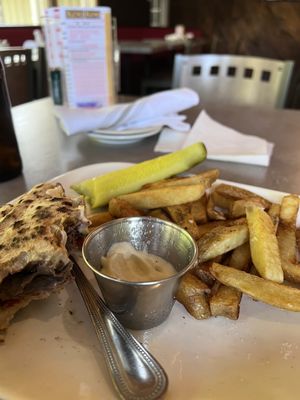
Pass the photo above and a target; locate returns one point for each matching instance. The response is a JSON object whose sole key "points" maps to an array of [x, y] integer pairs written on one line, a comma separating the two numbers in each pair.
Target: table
{"points": [[152, 46], [149, 46], [47, 152], [139, 61], [147, 64], [214, 359]]}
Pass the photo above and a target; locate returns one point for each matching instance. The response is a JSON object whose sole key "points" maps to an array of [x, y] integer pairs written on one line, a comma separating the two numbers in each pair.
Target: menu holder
{"points": [[80, 55]]}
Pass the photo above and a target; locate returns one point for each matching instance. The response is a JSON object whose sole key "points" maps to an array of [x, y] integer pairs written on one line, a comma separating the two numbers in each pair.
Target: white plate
{"points": [[126, 132], [122, 137], [51, 351]]}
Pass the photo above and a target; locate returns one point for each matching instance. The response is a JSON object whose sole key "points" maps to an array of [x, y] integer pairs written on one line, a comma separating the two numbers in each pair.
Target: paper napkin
{"points": [[222, 143], [159, 109]]}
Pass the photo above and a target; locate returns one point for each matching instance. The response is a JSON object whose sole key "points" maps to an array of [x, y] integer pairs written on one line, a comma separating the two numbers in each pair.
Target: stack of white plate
{"points": [[123, 137]]}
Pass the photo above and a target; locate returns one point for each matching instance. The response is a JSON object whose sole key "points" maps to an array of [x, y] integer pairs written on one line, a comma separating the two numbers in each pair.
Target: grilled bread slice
{"points": [[37, 233]]}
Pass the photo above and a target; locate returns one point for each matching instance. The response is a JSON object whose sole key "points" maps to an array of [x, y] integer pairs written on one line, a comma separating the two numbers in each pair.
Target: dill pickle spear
{"points": [[100, 189]]}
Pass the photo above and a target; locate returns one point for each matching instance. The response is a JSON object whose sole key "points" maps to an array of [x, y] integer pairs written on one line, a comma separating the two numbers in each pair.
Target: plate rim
{"points": [[125, 132]]}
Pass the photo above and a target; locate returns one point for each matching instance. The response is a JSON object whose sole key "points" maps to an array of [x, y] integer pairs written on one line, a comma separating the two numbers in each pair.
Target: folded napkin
{"points": [[222, 143], [159, 109]]}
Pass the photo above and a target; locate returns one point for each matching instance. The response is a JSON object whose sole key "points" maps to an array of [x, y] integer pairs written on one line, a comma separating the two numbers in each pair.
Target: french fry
{"points": [[207, 178], [158, 213], [273, 293], [181, 216], [237, 193], [238, 207], [214, 214], [240, 257], [191, 293], [203, 228], [298, 239], [220, 240], [253, 270], [202, 271], [165, 196], [222, 201], [226, 300], [211, 175], [121, 208], [286, 234], [274, 212], [263, 244], [99, 218], [198, 210], [289, 210]]}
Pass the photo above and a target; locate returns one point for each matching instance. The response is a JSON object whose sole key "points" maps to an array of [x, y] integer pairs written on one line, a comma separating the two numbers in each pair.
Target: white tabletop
{"points": [[47, 152]]}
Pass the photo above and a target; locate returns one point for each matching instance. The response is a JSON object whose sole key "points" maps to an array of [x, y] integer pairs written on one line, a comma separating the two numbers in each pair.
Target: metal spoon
{"points": [[134, 371]]}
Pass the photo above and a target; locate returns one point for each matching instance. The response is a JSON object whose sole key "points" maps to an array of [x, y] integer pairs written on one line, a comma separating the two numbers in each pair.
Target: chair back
{"points": [[235, 79], [18, 69]]}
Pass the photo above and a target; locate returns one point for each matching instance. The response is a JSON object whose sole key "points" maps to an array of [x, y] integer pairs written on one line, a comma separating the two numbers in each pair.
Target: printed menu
{"points": [[80, 55]]}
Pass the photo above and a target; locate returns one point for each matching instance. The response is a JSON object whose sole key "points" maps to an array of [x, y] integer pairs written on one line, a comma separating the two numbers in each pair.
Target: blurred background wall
{"points": [[266, 28], [251, 27]]}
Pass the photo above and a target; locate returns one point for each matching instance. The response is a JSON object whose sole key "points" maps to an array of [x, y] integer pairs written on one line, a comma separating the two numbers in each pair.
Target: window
{"points": [[30, 12], [159, 13]]}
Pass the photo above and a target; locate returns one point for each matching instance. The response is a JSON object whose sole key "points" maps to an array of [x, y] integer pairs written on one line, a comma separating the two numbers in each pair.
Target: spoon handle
{"points": [[134, 371]]}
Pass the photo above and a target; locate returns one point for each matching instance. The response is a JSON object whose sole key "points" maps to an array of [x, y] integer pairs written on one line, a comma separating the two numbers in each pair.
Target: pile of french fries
{"points": [[246, 243]]}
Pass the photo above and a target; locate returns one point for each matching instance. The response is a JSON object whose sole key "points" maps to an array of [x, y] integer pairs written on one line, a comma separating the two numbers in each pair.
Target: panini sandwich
{"points": [[37, 233]]}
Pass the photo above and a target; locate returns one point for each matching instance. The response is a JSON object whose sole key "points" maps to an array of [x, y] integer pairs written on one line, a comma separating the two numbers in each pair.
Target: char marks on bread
{"points": [[37, 233]]}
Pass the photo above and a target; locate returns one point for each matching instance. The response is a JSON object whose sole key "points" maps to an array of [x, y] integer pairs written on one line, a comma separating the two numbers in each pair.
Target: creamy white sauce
{"points": [[125, 263]]}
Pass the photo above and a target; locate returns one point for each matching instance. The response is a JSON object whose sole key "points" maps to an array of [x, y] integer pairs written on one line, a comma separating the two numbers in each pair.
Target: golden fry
{"points": [[238, 207], [99, 218], [237, 193], [120, 208], [226, 300], [240, 257], [286, 234], [212, 212], [289, 210], [203, 228], [220, 240], [222, 201], [191, 294], [273, 293], [211, 175], [298, 238], [206, 178], [202, 271], [263, 244], [158, 213], [198, 210], [181, 215], [165, 196], [274, 212]]}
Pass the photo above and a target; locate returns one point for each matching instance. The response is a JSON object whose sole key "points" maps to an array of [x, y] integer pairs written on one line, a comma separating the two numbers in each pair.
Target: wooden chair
{"points": [[234, 79]]}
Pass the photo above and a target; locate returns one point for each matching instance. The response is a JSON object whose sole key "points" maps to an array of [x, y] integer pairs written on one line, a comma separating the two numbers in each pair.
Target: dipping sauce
{"points": [[125, 263]]}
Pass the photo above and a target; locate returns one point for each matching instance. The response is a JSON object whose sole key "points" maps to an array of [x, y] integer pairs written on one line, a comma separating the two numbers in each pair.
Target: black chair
{"points": [[19, 74], [40, 73]]}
